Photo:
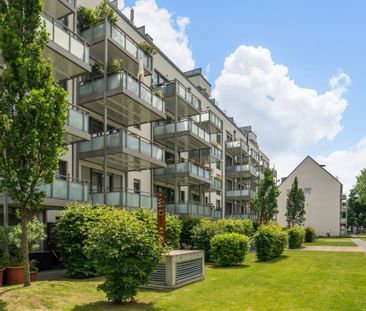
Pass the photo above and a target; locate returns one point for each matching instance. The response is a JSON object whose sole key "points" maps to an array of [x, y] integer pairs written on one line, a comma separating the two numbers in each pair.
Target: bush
{"points": [[270, 242], [229, 248], [72, 230], [295, 237], [173, 226], [241, 226], [310, 234], [125, 251], [188, 223]]}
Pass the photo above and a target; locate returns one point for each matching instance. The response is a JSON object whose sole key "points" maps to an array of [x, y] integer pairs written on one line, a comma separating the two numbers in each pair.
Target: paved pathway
{"points": [[333, 248], [360, 243]]}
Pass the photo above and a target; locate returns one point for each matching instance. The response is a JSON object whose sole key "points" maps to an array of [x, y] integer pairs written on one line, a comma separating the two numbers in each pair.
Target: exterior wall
{"points": [[322, 205]]}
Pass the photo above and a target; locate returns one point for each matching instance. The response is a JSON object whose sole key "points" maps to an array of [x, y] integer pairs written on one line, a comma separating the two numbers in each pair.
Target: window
{"points": [[62, 168], [97, 181], [218, 205], [182, 196], [219, 138], [206, 200], [136, 185], [218, 165], [229, 137], [137, 126], [307, 191]]}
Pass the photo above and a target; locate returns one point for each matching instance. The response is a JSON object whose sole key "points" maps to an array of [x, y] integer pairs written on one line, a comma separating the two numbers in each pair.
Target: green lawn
{"points": [[332, 242], [297, 281]]}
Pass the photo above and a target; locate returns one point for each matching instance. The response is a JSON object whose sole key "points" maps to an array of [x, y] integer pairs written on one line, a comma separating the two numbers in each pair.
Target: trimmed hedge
{"points": [[295, 237], [188, 223], [310, 234], [270, 242], [229, 249], [241, 226], [72, 230], [125, 251]]}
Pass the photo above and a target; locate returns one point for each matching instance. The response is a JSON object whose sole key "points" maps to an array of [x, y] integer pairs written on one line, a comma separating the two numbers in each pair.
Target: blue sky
{"points": [[315, 40]]}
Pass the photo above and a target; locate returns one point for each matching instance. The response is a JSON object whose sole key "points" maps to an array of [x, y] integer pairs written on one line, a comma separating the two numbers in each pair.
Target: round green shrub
{"points": [[296, 236], [72, 230], [241, 226], [270, 242], [188, 223], [310, 234], [229, 248], [125, 251], [173, 226]]}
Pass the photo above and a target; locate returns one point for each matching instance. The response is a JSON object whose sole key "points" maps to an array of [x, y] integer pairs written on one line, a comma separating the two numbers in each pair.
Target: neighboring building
{"points": [[324, 200], [124, 147]]}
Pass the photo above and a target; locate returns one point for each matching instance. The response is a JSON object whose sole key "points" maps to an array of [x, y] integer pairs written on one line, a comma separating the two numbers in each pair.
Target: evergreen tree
{"points": [[33, 111], [295, 205]]}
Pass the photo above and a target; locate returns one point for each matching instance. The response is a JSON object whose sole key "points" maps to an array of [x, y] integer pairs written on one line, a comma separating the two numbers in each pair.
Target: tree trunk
{"points": [[25, 250]]}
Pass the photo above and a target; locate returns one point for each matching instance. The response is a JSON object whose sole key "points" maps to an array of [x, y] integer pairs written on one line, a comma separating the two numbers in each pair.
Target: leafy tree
{"points": [[360, 187], [32, 111], [265, 203], [295, 205], [356, 209]]}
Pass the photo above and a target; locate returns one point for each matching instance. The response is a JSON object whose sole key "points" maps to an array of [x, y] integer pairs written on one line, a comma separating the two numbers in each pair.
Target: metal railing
{"points": [[125, 82], [241, 193], [78, 118], [65, 38], [209, 116], [66, 188], [97, 31], [216, 152], [125, 140], [193, 209], [237, 144], [247, 168], [175, 88], [183, 126], [217, 183], [125, 198], [185, 167]]}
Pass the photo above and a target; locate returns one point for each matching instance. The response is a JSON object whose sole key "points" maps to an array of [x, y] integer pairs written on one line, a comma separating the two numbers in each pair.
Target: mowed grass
{"points": [[332, 242], [296, 281]]}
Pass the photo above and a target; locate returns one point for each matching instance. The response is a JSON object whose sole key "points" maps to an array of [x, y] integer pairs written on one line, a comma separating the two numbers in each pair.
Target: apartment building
{"points": [[149, 127], [325, 203]]}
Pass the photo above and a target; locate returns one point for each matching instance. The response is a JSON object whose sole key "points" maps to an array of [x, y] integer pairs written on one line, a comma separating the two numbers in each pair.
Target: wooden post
{"points": [[161, 217]]}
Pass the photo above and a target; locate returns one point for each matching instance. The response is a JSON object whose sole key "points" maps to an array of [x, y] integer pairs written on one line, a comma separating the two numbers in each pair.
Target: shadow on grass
{"points": [[272, 261], [235, 267], [2, 305], [104, 305]]}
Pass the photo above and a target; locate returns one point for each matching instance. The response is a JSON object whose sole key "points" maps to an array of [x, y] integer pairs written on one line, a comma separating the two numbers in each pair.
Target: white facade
{"points": [[323, 197]]}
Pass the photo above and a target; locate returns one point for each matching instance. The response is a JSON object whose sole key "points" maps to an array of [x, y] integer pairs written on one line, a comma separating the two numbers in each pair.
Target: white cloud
{"points": [[207, 71], [285, 115], [169, 32]]}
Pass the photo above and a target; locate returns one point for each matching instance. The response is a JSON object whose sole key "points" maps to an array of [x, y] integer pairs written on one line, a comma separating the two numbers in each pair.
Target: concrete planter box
{"points": [[179, 268]]}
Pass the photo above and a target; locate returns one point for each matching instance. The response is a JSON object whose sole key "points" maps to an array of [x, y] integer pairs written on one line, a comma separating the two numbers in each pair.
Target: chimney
{"points": [[132, 16]]}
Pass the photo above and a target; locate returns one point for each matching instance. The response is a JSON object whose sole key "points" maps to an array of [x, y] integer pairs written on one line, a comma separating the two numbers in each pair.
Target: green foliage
{"points": [[148, 48], [295, 206], [72, 230], [86, 17], [229, 249], [36, 232], [241, 226], [188, 223], [296, 236], [104, 10], [310, 234], [116, 65], [270, 241], [265, 203], [356, 202], [125, 252]]}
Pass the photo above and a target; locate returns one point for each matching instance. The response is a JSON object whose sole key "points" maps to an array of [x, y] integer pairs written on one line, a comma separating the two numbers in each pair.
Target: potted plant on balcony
{"points": [[115, 65], [148, 48], [36, 233]]}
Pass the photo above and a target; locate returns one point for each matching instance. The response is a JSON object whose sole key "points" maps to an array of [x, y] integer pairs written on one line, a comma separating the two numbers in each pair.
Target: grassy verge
{"points": [[297, 281], [332, 242]]}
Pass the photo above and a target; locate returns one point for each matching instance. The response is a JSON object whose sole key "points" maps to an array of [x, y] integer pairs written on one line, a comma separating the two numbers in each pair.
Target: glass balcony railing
{"points": [[209, 116], [240, 193], [241, 169], [217, 183], [124, 140], [254, 155], [193, 209], [182, 126], [98, 30], [176, 88], [123, 81], [66, 188], [238, 144], [217, 153], [78, 118], [124, 198], [65, 38], [184, 167]]}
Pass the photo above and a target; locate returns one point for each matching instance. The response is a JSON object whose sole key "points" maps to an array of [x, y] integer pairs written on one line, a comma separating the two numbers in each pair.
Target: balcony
{"points": [[343, 221], [255, 156], [69, 52], [241, 194], [260, 175], [245, 171], [176, 94], [209, 121], [186, 134], [343, 196], [193, 209], [185, 173], [59, 8], [237, 148], [124, 198], [77, 125], [208, 155], [125, 151], [120, 45], [216, 184], [64, 190], [129, 101]]}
